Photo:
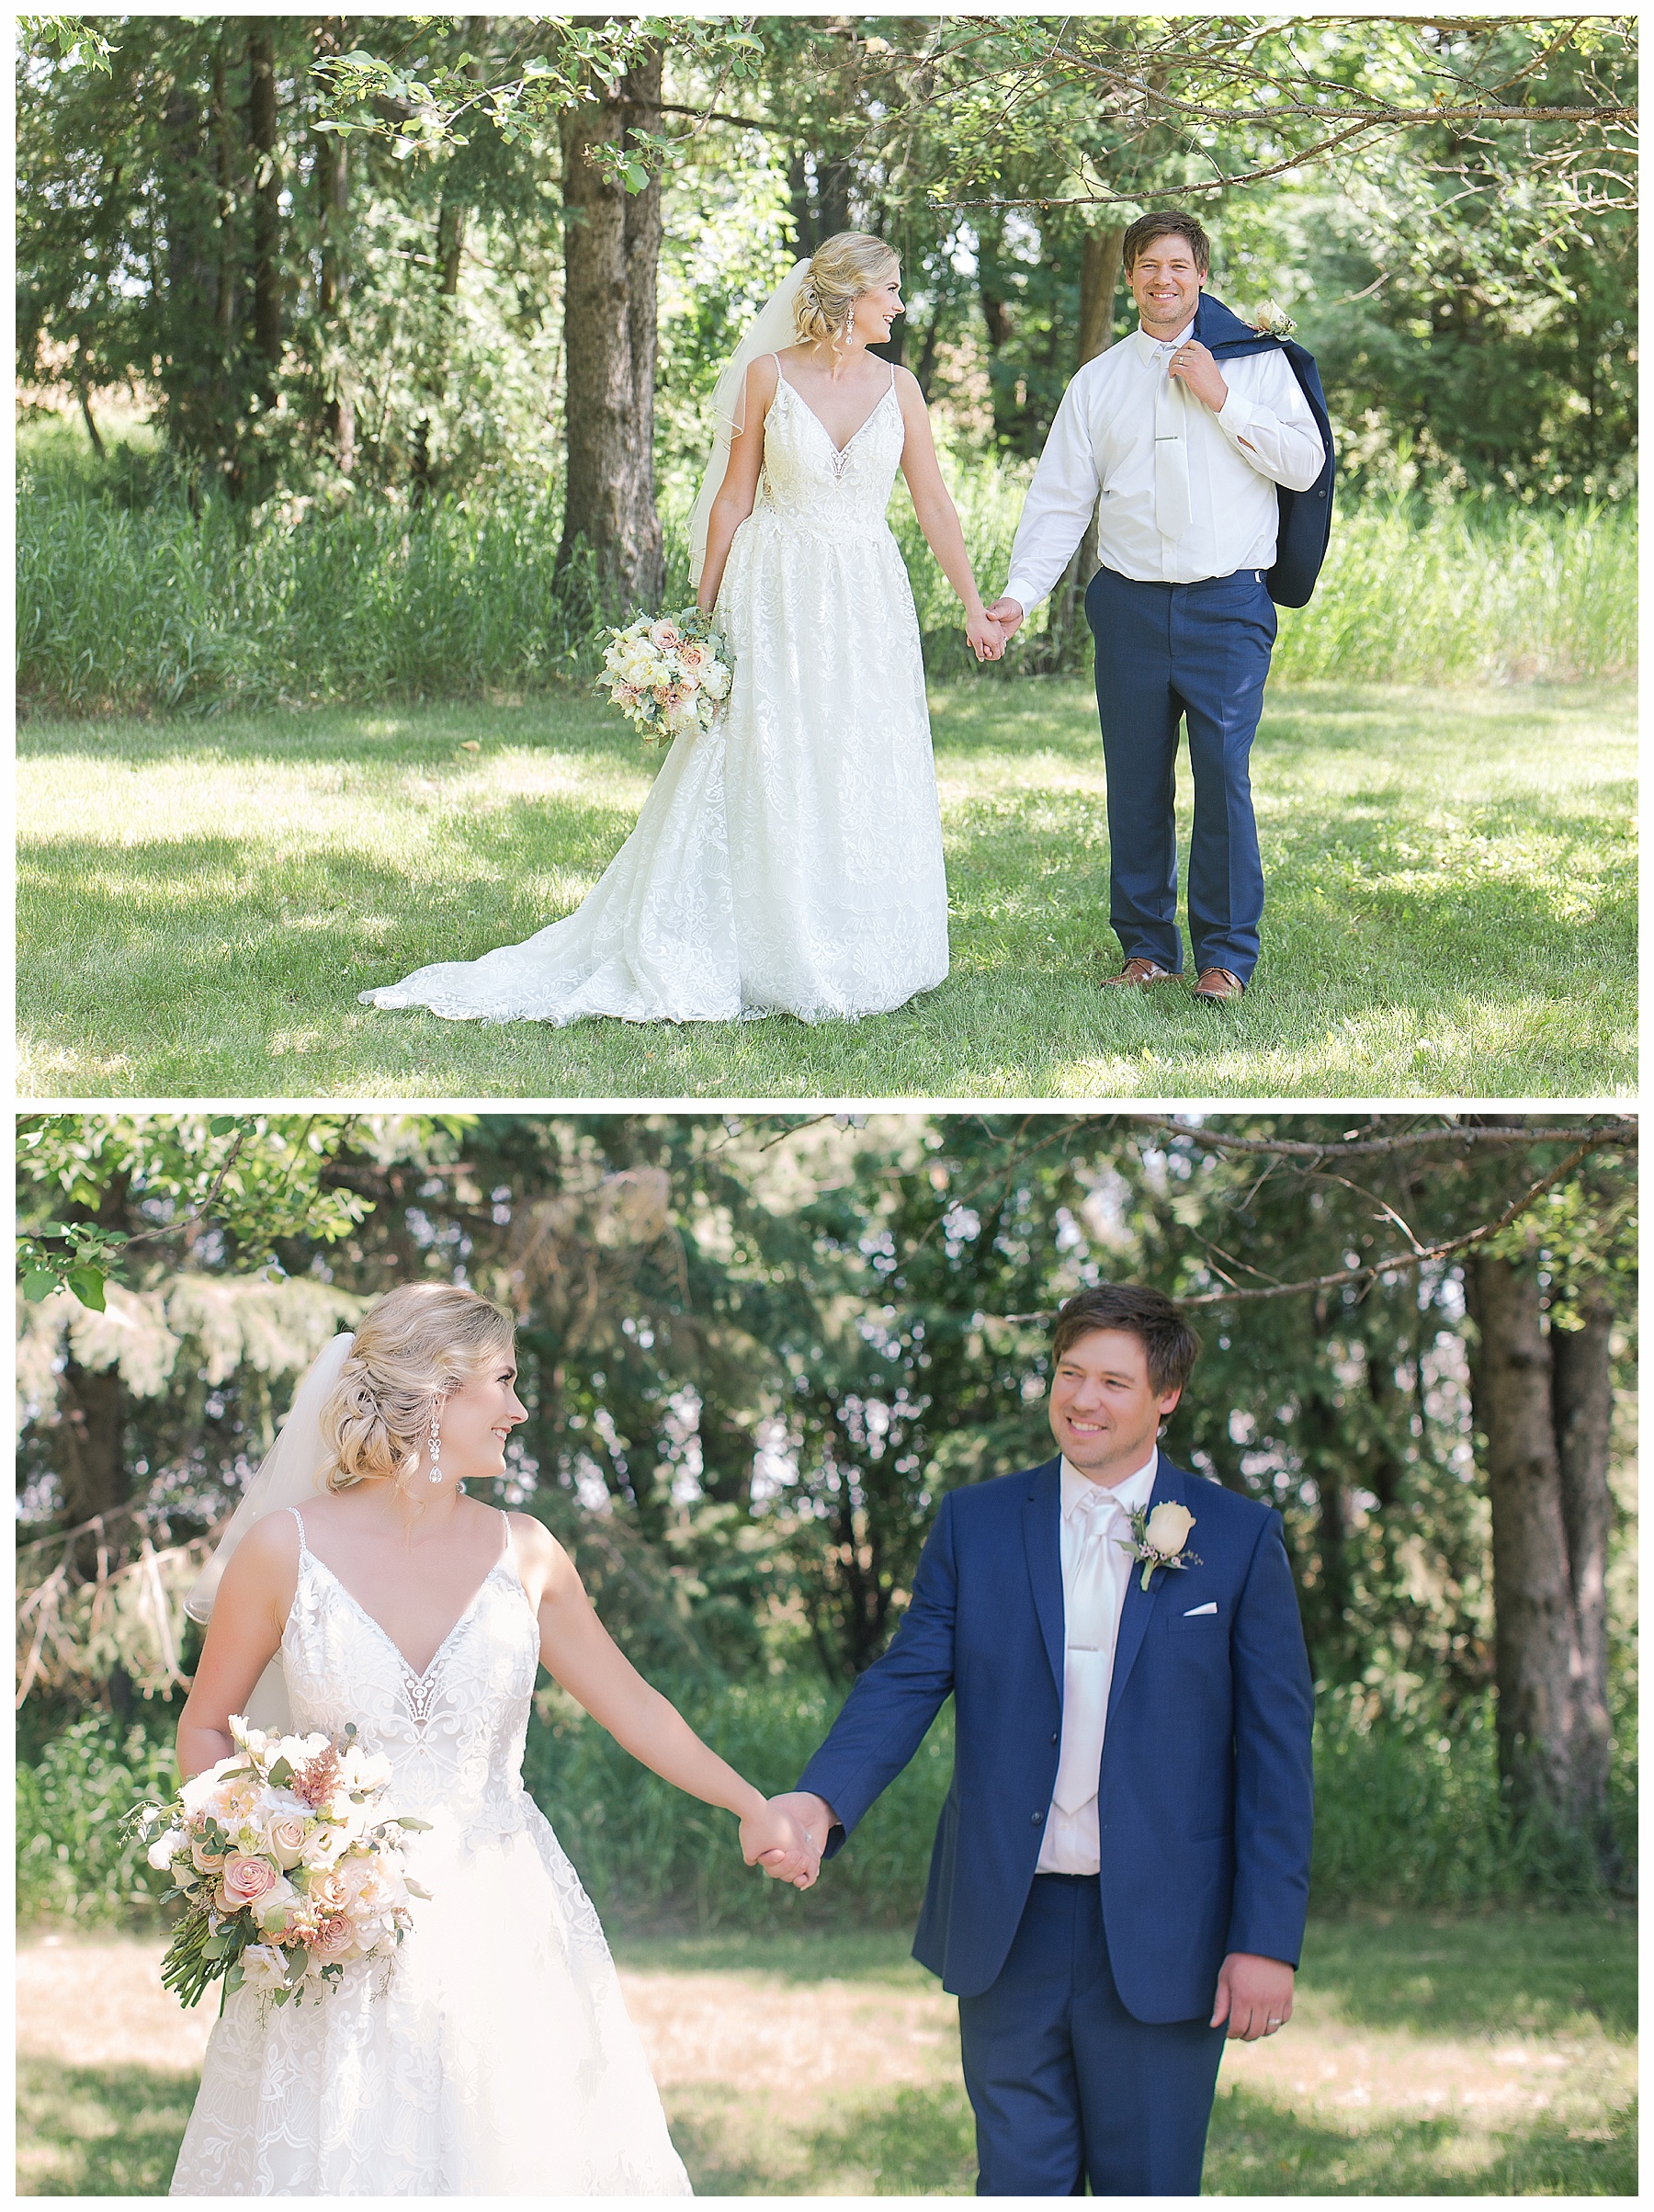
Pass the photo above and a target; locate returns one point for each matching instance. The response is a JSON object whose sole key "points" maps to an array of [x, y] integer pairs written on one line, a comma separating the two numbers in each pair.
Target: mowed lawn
{"points": [[1428, 2056], [1451, 907]]}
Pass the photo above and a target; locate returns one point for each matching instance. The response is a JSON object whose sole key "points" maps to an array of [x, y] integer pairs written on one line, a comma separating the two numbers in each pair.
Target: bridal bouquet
{"points": [[667, 674], [289, 1863]]}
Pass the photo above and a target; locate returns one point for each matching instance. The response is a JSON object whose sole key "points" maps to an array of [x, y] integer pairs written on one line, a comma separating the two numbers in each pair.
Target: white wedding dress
{"points": [[790, 859], [497, 2059]]}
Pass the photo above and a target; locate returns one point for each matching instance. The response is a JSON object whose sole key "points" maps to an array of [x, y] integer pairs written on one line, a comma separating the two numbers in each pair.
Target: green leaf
{"points": [[87, 1284], [39, 1283]]}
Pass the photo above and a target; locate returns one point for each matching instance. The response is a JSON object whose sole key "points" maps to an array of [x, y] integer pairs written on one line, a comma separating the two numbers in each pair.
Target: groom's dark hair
{"points": [[1167, 223], [1171, 1346]]}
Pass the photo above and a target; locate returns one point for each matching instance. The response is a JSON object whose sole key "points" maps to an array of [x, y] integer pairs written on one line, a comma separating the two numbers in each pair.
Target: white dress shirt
{"points": [[1102, 445], [1071, 1843]]}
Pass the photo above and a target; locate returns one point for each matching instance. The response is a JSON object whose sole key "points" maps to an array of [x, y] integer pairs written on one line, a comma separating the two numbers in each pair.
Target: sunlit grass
{"points": [[1451, 907], [1428, 2055]]}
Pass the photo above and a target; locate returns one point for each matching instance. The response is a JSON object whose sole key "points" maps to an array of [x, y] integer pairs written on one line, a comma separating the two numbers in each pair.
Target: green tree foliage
{"points": [[1444, 207]]}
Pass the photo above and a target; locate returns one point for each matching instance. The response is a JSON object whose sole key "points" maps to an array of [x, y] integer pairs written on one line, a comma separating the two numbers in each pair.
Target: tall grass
{"points": [[1408, 1812], [133, 597]]}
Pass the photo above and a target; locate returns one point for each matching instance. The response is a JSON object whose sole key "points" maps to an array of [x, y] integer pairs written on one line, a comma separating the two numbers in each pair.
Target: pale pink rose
{"points": [[691, 656], [666, 635], [334, 1938], [245, 1880], [286, 1838], [207, 1862], [327, 1893], [626, 695]]}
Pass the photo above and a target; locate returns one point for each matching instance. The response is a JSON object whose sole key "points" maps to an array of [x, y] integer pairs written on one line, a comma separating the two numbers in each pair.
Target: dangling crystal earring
{"points": [[437, 1444]]}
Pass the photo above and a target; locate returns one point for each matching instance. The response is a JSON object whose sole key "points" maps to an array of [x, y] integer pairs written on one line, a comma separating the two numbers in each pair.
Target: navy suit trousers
{"points": [[1167, 652], [1068, 2088]]}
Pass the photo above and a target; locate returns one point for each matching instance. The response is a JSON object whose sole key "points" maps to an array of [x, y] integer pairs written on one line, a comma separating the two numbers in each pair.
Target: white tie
{"points": [[1092, 1618], [1172, 508]]}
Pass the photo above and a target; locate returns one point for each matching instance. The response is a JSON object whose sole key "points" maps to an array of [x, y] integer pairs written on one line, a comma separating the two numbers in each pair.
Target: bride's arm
{"points": [[579, 1653], [740, 488], [243, 1637], [938, 517]]}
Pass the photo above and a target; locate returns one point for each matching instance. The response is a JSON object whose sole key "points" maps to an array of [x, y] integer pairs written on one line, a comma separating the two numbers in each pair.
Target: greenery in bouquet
{"points": [[669, 674], [289, 1861]]}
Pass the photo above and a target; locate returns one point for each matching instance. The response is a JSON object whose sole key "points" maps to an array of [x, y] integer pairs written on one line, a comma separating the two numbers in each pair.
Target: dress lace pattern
{"points": [[789, 860], [498, 2058]]}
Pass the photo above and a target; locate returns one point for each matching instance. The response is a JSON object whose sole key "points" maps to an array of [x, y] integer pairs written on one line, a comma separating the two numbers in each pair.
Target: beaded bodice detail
{"points": [[455, 1733], [809, 482]]}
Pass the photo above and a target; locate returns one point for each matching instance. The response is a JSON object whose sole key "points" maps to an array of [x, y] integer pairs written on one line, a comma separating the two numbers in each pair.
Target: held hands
{"points": [[1193, 366], [1008, 614], [984, 637], [812, 1819], [774, 1839], [1254, 1995]]}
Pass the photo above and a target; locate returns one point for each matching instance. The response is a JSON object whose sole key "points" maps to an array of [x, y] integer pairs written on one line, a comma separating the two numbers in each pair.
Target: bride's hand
{"points": [[984, 637], [774, 1840]]}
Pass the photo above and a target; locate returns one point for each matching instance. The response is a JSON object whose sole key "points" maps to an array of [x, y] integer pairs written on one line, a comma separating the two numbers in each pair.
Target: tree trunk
{"points": [[612, 250], [87, 1436], [224, 163], [1536, 1654], [1099, 280], [333, 283], [1583, 1418], [267, 198]]}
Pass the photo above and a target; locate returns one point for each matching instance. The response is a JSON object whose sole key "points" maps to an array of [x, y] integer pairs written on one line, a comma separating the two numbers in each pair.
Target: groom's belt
{"points": [[1191, 584]]}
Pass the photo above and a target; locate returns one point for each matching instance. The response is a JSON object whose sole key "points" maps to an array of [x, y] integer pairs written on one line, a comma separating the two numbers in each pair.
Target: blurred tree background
{"points": [[756, 1351], [371, 312]]}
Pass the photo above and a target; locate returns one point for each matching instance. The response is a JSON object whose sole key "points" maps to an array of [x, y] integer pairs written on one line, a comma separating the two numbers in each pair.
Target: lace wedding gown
{"points": [[789, 860], [499, 2061]]}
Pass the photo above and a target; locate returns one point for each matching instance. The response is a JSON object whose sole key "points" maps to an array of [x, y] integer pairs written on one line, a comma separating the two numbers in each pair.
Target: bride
{"points": [[789, 860], [498, 2058]]}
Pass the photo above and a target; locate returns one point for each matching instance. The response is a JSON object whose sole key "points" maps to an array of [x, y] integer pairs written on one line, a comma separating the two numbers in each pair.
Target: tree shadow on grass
{"points": [[909, 2143], [1517, 1973], [98, 2131], [1255, 2148]]}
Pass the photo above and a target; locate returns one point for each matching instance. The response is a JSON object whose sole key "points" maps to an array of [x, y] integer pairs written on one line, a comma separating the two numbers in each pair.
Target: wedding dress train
{"points": [[790, 859], [496, 2059]]}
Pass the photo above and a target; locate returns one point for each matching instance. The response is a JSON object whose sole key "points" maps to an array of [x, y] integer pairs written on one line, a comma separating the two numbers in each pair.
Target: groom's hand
{"points": [[814, 1817], [1254, 1995], [1194, 367], [1008, 614]]}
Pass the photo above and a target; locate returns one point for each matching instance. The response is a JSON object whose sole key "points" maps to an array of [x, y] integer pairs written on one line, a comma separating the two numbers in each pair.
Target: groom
{"points": [[1186, 451], [1121, 1867]]}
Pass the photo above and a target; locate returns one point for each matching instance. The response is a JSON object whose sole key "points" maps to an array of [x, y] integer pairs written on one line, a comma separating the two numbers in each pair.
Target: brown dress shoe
{"points": [[1140, 972], [1217, 983]]}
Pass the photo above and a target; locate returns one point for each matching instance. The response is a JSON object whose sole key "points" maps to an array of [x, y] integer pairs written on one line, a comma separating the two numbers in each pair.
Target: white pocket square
{"points": [[1195, 1611]]}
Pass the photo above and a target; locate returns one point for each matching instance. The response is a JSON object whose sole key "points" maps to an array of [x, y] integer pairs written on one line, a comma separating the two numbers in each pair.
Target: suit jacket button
{"points": [[1054, 1738], [1037, 1818]]}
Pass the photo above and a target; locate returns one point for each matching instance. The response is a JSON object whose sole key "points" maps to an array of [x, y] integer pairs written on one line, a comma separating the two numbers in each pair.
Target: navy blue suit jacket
{"points": [[1204, 1797], [1305, 518]]}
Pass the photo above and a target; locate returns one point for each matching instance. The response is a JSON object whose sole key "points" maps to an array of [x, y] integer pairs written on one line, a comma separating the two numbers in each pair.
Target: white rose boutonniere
{"points": [[1275, 322], [1157, 1538]]}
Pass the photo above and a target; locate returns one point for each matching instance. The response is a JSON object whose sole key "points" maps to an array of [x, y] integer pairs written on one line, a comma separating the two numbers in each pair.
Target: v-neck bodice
{"points": [[808, 480], [454, 1733]]}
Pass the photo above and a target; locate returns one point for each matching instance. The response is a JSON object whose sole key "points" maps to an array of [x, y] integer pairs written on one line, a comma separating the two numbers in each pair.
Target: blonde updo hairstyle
{"points": [[840, 271], [419, 1344]]}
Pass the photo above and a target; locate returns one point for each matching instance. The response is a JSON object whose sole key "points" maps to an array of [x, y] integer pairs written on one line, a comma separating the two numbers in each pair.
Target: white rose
{"points": [[1167, 1529], [716, 680], [263, 1968], [165, 1847]]}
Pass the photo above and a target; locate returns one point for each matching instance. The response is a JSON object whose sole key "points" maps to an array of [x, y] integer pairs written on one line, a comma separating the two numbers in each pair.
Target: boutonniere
{"points": [[1273, 322], [1157, 1538]]}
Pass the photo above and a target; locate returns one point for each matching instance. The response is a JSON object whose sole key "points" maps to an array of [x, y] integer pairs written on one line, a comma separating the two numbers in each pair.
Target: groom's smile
{"points": [[1165, 284], [1105, 1412]]}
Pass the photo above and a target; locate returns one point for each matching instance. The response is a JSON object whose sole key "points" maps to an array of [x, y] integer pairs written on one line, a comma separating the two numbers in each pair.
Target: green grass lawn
{"points": [[1427, 2055], [1451, 907]]}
